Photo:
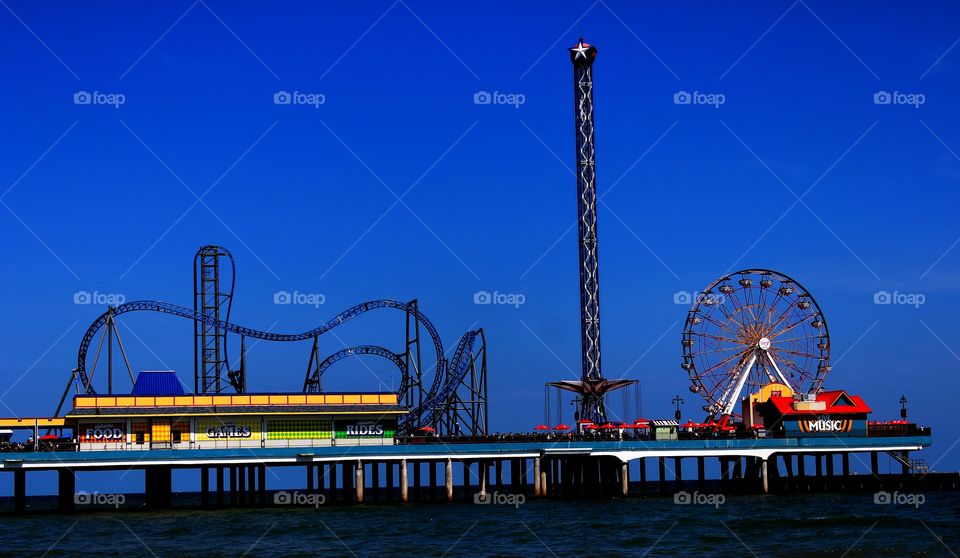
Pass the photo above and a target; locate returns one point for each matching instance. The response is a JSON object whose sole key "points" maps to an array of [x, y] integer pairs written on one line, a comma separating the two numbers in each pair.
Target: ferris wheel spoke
{"points": [[783, 316], [726, 361], [789, 327], [795, 353], [716, 337], [718, 323], [781, 341]]}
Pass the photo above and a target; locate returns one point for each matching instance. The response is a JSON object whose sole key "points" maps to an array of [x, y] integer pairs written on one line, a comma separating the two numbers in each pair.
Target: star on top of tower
{"points": [[583, 53]]}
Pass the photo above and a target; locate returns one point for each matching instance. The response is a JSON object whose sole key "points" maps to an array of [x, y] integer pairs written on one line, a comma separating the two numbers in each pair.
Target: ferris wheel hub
{"points": [[764, 343]]}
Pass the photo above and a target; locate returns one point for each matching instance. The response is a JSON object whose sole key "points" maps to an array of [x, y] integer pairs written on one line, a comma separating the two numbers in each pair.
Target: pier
{"points": [[410, 472]]}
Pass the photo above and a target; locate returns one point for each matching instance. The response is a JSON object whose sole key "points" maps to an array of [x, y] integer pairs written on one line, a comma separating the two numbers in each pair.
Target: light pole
{"points": [[903, 407], [678, 401]]}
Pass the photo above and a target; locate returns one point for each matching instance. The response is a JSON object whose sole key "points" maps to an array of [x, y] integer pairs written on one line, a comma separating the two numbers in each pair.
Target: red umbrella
{"points": [[561, 427], [541, 427], [591, 427], [609, 426], [49, 437], [428, 429], [691, 424], [641, 420], [756, 426], [584, 421]]}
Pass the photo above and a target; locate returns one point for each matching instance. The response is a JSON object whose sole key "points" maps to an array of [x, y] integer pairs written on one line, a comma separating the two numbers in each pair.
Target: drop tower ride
{"points": [[592, 385]]}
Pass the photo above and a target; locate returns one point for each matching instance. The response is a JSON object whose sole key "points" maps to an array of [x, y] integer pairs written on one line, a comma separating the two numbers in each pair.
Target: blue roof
{"points": [[162, 382]]}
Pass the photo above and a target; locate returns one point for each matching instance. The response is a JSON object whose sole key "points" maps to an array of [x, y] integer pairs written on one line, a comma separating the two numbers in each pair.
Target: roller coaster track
{"points": [[313, 384], [343, 317], [459, 365]]}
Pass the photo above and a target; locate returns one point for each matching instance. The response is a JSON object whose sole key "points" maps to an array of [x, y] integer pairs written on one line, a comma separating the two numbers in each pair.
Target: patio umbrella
{"points": [[561, 427], [541, 427], [428, 429]]}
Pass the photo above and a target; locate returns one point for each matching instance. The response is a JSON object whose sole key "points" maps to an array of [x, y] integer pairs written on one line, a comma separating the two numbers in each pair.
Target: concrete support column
{"points": [[404, 496], [763, 475], [157, 486], [347, 474], [678, 471], [333, 482], [845, 463], [662, 470], [19, 490], [466, 479], [390, 480], [233, 485], [518, 475], [642, 462], [252, 484], [801, 465], [448, 479], [241, 485], [829, 458], [359, 482], [874, 464], [904, 468], [375, 483], [484, 473], [262, 484], [204, 486], [701, 473], [625, 478], [220, 486], [537, 482], [416, 480], [433, 479], [66, 488]]}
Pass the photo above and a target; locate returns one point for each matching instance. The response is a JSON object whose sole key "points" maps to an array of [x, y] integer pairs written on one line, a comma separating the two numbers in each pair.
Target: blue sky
{"points": [[104, 198]]}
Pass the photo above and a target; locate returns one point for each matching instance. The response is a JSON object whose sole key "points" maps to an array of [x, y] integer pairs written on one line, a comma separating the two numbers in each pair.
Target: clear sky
{"points": [[799, 165]]}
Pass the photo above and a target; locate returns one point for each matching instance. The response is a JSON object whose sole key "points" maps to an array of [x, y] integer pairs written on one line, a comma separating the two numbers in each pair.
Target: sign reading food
{"points": [[108, 432]]}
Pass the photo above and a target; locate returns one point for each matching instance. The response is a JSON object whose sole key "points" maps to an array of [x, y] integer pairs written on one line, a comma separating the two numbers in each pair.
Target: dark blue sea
{"points": [[743, 526]]}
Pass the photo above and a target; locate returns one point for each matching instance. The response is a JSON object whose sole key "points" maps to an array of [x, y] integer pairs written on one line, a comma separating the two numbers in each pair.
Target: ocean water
{"points": [[742, 526]]}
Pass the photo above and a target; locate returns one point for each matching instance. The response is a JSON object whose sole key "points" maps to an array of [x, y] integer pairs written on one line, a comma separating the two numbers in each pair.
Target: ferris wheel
{"points": [[749, 329]]}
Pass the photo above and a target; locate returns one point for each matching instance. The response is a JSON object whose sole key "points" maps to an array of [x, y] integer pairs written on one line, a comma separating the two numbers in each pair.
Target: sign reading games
{"points": [[228, 430]]}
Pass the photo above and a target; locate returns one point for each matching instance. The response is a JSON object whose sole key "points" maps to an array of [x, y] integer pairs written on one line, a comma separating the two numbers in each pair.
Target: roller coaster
{"points": [[454, 402]]}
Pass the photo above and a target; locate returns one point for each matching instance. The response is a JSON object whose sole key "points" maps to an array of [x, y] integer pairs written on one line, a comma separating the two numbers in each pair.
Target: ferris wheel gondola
{"points": [[749, 329]]}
